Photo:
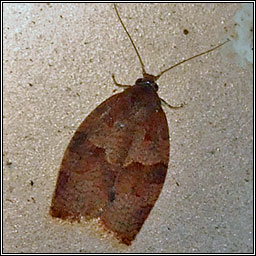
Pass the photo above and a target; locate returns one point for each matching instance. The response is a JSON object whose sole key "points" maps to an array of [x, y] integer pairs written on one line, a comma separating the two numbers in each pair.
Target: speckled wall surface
{"points": [[58, 61]]}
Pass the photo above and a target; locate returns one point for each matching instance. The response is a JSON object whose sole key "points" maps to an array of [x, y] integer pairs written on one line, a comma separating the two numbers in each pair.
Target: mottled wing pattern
{"points": [[115, 165]]}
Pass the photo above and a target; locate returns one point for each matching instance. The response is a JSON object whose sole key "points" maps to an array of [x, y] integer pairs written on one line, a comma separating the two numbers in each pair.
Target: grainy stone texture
{"points": [[58, 61]]}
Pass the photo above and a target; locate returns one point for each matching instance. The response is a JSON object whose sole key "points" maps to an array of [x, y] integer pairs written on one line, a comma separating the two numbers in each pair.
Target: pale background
{"points": [[58, 61]]}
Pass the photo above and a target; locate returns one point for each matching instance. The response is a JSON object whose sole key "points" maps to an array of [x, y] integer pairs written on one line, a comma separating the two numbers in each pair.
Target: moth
{"points": [[115, 165]]}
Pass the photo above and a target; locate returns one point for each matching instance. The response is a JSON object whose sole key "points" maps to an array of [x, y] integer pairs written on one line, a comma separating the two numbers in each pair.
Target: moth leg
{"points": [[170, 106], [119, 85]]}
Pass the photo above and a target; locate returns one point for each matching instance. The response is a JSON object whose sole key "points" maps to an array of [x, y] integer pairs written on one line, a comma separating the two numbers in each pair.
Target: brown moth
{"points": [[115, 165]]}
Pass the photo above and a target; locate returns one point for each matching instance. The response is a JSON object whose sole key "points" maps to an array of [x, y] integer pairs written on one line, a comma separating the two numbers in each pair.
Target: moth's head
{"points": [[148, 81]]}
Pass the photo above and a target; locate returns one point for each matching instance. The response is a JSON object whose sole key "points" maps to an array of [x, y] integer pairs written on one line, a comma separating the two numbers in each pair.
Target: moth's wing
{"points": [[115, 165], [86, 177], [141, 178]]}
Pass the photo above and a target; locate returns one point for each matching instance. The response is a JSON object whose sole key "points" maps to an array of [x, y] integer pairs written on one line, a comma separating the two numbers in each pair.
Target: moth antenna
{"points": [[200, 54], [133, 44]]}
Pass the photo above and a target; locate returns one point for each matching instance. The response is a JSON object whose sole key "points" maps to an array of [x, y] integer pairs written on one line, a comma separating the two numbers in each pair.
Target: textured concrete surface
{"points": [[58, 61]]}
